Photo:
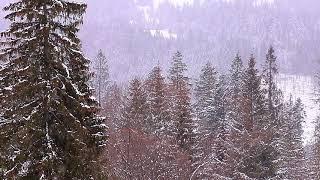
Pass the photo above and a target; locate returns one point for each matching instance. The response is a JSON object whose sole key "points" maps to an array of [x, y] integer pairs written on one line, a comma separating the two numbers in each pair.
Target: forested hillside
{"points": [[138, 34], [212, 31], [163, 89]]}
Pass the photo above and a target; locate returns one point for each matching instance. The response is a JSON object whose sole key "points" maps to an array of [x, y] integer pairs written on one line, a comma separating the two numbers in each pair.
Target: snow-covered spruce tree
{"points": [[315, 168], [51, 130], [135, 115], [222, 126], [235, 94], [234, 115], [205, 93], [205, 110], [274, 98], [158, 121], [254, 109], [135, 111], [113, 107], [180, 99], [212, 134], [274, 95], [254, 97], [101, 76], [315, 147], [293, 161]]}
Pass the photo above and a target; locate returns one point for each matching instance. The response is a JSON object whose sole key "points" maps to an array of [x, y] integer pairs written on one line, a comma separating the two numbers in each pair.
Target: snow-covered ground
{"points": [[164, 33], [302, 87]]}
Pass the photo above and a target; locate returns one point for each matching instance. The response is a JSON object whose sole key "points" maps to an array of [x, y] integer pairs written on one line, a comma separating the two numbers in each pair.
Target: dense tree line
{"points": [[234, 125]]}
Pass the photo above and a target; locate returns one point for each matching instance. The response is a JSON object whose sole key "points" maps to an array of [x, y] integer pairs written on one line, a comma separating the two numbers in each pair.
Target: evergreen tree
{"points": [[316, 151], [158, 116], [315, 147], [213, 139], [273, 124], [235, 94], [294, 157], [274, 98], [254, 113], [51, 130], [113, 107], [180, 100], [205, 93], [235, 117], [135, 113], [254, 97], [222, 126], [101, 76]]}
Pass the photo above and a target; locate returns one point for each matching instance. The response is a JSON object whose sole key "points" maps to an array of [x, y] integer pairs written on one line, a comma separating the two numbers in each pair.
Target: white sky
{"points": [[175, 2]]}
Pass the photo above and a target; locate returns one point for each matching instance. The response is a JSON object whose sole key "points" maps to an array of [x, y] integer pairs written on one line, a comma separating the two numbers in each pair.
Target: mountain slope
{"points": [[131, 33]]}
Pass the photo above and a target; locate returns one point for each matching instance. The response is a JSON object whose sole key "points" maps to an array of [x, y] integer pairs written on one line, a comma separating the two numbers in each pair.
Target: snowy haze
{"points": [[137, 34]]}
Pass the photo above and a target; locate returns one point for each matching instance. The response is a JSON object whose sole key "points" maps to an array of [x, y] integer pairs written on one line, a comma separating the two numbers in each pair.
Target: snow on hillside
{"points": [[302, 87], [164, 33]]}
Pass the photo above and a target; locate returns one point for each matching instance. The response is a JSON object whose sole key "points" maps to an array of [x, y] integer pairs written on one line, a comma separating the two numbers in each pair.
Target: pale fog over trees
{"points": [[162, 89]]}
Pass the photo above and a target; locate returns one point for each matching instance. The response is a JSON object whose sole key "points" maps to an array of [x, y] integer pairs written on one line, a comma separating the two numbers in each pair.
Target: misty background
{"points": [[136, 35]]}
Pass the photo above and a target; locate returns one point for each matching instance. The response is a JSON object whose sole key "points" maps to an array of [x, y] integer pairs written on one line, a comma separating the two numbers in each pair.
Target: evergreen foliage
{"points": [[101, 76], [180, 99], [51, 130]]}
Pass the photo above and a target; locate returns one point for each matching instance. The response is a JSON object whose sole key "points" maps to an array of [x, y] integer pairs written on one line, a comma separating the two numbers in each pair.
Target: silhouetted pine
{"points": [[50, 128]]}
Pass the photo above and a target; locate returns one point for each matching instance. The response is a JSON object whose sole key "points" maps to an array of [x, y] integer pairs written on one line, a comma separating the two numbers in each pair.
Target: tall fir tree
{"points": [[210, 104], [255, 111], [315, 168], [273, 123], [51, 130], [101, 76], [135, 111], [180, 106], [113, 107], [205, 112], [223, 126], [235, 93], [205, 94], [134, 114], [293, 158], [315, 147], [157, 98], [235, 116], [254, 97], [274, 97]]}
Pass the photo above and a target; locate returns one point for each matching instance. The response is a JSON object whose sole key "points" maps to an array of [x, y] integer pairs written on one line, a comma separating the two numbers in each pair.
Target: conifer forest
{"points": [[159, 90]]}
